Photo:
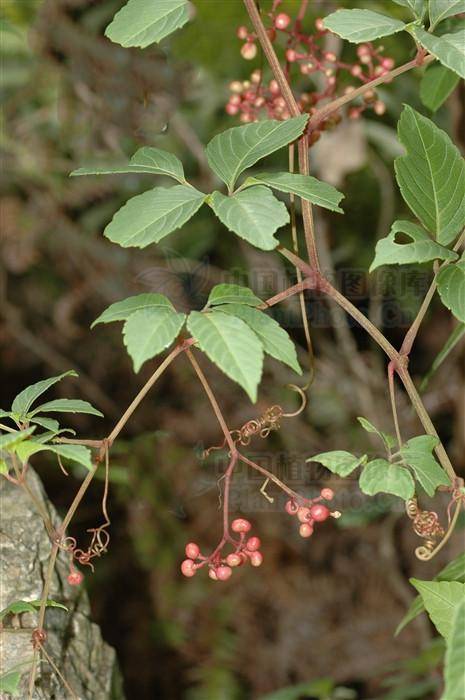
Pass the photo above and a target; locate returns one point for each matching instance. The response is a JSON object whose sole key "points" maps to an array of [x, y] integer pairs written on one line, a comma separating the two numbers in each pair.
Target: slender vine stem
{"points": [[293, 107]]}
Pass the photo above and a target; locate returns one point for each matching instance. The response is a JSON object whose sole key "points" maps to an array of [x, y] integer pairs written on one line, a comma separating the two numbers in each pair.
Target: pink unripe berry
{"points": [[363, 50], [320, 27], [282, 21], [188, 568], [249, 51], [236, 86], [242, 32], [234, 560], [354, 113], [223, 573], [327, 494], [291, 55], [306, 530], [303, 514], [231, 109], [356, 70], [256, 558], [75, 578], [235, 100], [192, 550], [253, 543], [274, 87], [291, 507], [388, 63], [330, 56], [259, 102], [256, 76], [240, 525], [319, 512], [379, 107], [212, 574]]}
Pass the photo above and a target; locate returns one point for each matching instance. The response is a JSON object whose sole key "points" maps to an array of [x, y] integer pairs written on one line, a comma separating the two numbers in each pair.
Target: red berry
{"points": [[256, 558], [192, 550], [291, 507], [75, 578], [188, 568], [242, 32], [234, 560], [249, 51], [305, 530], [282, 21], [327, 494], [223, 573], [240, 525], [303, 514], [253, 543], [319, 512], [291, 55]]}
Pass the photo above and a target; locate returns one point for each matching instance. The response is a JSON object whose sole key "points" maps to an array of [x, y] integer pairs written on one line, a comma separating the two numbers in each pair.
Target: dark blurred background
{"points": [[320, 613]]}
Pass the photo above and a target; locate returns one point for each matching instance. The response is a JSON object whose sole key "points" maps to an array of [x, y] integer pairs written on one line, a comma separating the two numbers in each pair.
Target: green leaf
{"points": [[149, 217], [146, 160], [338, 461], [440, 598], [229, 343], [379, 476], [232, 294], [122, 310], [304, 186], [418, 7], [74, 453], [437, 83], [9, 682], [361, 25], [388, 440], [66, 406], [454, 338], [235, 150], [149, 331], [18, 607], [431, 176], [449, 49], [9, 441], [275, 340], [441, 9], [143, 22], [417, 453], [421, 250], [254, 214], [454, 571], [26, 398], [48, 423], [454, 676], [451, 288]]}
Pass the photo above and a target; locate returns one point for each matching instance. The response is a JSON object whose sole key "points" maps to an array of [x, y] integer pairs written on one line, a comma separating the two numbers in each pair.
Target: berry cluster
{"points": [[313, 512], [220, 568], [304, 54]]}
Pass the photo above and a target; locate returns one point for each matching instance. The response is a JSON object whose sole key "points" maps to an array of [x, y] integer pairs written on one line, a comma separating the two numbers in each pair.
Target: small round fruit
{"points": [[256, 558], [291, 55], [223, 573], [75, 578], [231, 109], [319, 512], [306, 530], [240, 525], [249, 51], [291, 507], [327, 494], [303, 514], [212, 574], [192, 550], [253, 543], [188, 568], [234, 559], [242, 32], [282, 21]]}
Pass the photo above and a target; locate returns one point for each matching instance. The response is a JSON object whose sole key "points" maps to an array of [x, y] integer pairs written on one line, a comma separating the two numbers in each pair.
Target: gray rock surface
{"points": [[74, 642]]}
